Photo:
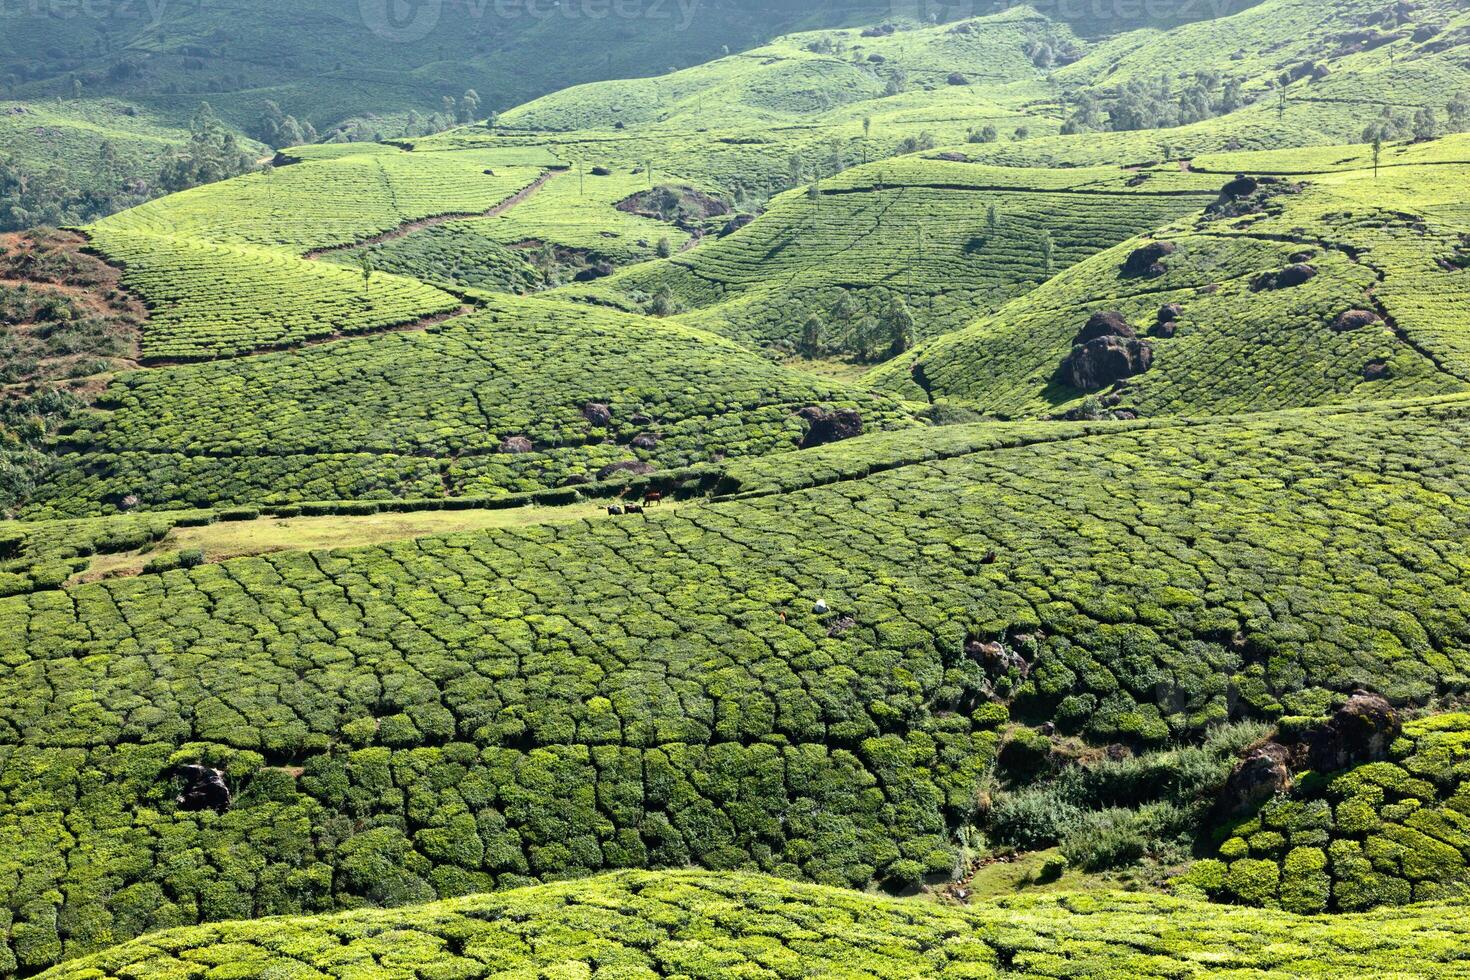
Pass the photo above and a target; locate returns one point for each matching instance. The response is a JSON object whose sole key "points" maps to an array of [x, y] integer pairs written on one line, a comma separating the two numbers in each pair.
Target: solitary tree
{"points": [[898, 324], [1458, 112], [365, 266], [1377, 152], [469, 106], [811, 337], [992, 219], [1426, 124], [665, 248], [1048, 251]]}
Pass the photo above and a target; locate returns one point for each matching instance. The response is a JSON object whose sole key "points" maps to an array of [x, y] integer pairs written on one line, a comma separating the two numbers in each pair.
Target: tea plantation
{"points": [[1381, 833], [921, 496], [456, 714], [698, 925], [954, 240], [494, 402]]}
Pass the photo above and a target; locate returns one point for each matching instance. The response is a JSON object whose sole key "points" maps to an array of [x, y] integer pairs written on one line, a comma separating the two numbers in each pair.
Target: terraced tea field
{"points": [[701, 925], [954, 240], [901, 499], [494, 402]]}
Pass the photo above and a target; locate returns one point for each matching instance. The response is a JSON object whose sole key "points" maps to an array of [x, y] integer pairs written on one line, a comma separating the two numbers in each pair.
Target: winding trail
{"points": [[409, 227]]}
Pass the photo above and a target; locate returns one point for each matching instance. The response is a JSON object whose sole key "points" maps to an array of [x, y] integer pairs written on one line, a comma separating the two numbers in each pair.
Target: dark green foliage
{"points": [[1382, 833]]}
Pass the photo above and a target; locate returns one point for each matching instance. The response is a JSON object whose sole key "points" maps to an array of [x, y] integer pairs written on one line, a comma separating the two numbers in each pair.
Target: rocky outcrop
{"points": [[1377, 370], [1296, 274], [1265, 772], [828, 427], [516, 446], [1358, 732], [598, 414], [1241, 186], [1105, 361], [204, 789], [632, 467], [1148, 262], [1355, 320], [1105, 324]]}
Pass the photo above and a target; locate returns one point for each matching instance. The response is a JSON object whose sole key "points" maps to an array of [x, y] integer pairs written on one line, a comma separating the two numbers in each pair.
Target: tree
{"points": [[469, 106], [290, 134], [1048, 251], [864, 336], [663, 302], [76, 88], [1377, 152], [992, 219], [898, 326], [844, 312], [665, 248], [811, 337], [1426, 124], [1458, 112], [795, 170], [365, 266]]}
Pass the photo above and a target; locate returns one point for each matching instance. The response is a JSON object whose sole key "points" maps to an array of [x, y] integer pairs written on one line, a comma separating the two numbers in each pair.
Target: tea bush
{"points": [[1382, 833], [701, 925]]}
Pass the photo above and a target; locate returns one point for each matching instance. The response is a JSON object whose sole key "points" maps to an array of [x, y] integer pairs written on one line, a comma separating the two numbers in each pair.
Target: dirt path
{"points": [[409, 227]]}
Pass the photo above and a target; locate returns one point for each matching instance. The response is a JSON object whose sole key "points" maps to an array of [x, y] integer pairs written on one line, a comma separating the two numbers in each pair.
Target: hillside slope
{"points": [[1242, 340], [706, 926]]}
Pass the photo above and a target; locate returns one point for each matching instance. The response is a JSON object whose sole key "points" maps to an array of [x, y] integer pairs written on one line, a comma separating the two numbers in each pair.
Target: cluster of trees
{"points": [[278, 130], [61, 195], [858, 333], [1154, 104], [1424, 124]]}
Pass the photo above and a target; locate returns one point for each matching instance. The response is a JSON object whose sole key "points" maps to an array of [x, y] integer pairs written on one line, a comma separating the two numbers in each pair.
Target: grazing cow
{"points": [[653, 497], [633, 509], [615, 511]]}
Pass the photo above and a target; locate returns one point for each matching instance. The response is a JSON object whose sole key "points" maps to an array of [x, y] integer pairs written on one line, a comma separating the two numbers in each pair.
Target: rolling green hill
{"points": [[994, 460], [1374, 243], [640, 925], [478, 710]]}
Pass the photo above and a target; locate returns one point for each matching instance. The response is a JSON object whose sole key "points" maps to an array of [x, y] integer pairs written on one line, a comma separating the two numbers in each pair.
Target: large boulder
{"points": [[1105, 324], [1355, 320], [635, 467], [1263, 773], [1148, 261], [1106, 360], [828, 427], [1241, 186], [1296, 274], [1358, 732], [598, 414], [516, 446], [204, 789]]}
